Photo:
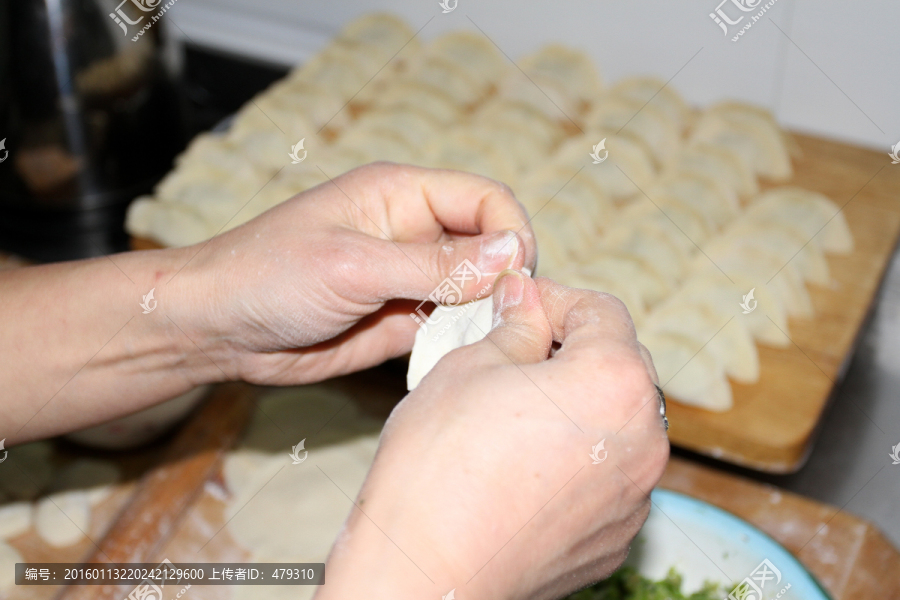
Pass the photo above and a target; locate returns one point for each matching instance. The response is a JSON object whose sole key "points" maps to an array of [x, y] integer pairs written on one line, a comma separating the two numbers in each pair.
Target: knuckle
{"points": [[612, 304]]}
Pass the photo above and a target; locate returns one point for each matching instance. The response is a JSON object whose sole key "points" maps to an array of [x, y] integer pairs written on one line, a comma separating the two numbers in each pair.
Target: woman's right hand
{"points": [[485, 482]]}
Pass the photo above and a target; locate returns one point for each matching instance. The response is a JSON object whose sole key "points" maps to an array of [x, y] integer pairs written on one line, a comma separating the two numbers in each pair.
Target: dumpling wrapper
{"points": [[449, 328]]}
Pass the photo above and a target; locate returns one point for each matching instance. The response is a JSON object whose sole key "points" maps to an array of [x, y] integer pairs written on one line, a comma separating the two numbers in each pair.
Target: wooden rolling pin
{"points": [[166, 492]]}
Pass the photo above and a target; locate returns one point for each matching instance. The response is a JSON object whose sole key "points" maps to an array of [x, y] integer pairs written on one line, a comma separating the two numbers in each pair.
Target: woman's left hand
{"points": [[310, 289]]}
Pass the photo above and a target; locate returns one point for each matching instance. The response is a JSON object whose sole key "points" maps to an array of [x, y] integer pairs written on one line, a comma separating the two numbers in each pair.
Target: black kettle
{"points": [[90, 118]]}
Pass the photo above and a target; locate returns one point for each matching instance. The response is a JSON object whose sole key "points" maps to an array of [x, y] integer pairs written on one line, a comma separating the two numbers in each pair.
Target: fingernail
{"points": [[509, 287], [498, 251]]}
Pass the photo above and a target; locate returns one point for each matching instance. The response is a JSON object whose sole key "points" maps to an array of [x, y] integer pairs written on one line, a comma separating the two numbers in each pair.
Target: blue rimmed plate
{"points": [[705, 543]]}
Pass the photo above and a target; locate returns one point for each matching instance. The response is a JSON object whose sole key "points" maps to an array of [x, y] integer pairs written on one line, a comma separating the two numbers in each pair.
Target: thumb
{"points": [[446, 272], [520, 329]]}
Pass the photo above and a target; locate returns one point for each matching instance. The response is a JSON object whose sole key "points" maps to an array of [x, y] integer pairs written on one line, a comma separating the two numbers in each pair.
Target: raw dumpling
{"points": [[627, 170], [554, 184], [380, 29], [651, 287], [727, 339], [520, 116], [656, 93], [768, 325], [457, 82], [171, 224], [686, 374], [410, 93], [719, 163], [472, 52], [592, 279], [565, 69], [758, 145], [699, 193], [821, 219], [650, 126]]}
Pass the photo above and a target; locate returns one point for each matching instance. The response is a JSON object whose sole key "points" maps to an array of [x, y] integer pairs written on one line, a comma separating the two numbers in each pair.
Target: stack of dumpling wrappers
{"points": [[672, 221]]}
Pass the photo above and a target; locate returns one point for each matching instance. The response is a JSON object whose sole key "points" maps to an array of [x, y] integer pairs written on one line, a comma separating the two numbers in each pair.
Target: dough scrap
{"points": [[300, 510], [15, 519], [63, 518], [9, 556]]}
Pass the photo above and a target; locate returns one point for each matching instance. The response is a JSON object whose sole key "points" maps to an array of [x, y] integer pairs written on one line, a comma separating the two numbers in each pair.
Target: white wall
{"points": [[822, 66]]}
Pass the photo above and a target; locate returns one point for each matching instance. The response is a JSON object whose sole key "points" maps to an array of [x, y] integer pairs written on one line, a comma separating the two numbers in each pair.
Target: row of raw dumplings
{"points": [[632, 225], [683, 250], [410, 111], [702, 333], [679, 247]]}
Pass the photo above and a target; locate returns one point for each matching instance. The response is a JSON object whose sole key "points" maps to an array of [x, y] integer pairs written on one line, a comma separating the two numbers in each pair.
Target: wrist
{"points": [[178, 315], [367, 561], [397, 551]]}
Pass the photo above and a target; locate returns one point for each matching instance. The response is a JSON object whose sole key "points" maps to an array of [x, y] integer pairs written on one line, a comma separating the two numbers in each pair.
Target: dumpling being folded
{"points": [[448, 328]]}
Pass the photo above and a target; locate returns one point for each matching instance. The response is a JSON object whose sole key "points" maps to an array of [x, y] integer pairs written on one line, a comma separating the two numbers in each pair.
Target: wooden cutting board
{"points": [[773, 422]]}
